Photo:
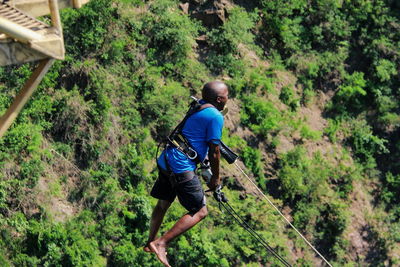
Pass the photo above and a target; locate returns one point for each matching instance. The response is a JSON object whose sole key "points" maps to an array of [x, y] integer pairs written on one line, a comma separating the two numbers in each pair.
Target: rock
{"points": [[185, 8], [209, 17], [210, 13]]}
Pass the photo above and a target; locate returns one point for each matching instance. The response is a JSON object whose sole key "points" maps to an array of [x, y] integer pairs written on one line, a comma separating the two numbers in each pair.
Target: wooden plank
{"points": [[37, 8], [12, 53], [17, 31], [23, 96]]}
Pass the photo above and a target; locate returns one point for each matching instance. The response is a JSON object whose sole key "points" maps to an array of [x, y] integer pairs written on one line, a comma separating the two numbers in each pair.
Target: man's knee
{"points": [[203, 212]]}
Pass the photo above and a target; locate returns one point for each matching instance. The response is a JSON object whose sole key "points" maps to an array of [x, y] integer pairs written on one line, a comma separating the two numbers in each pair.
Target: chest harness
{"points": [[178, 140]]}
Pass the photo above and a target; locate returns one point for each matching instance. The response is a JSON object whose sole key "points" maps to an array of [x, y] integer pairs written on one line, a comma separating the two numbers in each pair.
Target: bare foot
{"points": [[160, 249], [147, 249]]}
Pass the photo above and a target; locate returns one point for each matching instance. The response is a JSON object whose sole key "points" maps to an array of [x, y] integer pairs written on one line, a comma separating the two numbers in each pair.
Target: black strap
{"points": [[176, 178], [223, 201], [178, 140], [194, 107]]}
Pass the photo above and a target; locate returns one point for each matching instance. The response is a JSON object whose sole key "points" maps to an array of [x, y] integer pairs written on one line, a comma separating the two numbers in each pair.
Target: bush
{"points": [[287, 96], [332, 129], [294, 173], [165, 109], [392, 189], [253, 161], [307, 133], [385, 69], [22, 139], [172, 34], [260, 82], [225, 41], [125, 254], [365, 144], [353, 86], [85, 29], [260, 115]]}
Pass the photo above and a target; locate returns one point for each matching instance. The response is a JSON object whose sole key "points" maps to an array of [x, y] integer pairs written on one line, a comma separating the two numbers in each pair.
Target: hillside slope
{"points": [[314, 115]]}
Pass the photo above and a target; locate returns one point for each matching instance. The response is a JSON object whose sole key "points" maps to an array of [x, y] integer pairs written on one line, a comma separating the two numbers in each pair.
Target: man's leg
{"points": [[187, 221], [156, 219]]}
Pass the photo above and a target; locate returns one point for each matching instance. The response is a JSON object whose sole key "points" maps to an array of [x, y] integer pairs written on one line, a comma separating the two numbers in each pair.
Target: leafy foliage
{"points": [[261, 116], [89, 134]]}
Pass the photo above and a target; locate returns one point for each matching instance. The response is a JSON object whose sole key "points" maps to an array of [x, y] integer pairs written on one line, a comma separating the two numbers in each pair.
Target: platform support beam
{"points": [[23, 96]]}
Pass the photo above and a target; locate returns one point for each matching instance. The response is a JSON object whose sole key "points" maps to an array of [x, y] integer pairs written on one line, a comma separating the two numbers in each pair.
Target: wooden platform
{"points": [[37, 8], [25, 38]]}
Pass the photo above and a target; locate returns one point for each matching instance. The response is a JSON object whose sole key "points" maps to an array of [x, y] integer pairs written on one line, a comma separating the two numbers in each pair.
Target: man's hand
{"points": [[212, 185]]}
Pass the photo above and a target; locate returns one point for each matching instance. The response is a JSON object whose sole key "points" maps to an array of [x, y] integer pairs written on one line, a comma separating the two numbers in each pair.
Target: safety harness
{"points": [[177, 140]]}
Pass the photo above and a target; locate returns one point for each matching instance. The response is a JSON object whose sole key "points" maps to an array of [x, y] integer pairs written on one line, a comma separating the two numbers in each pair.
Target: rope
{"points": [[72, 164], [283, 216], [244, 224]]}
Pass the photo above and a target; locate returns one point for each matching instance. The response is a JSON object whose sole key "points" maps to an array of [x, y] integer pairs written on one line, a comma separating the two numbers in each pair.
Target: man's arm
{"points": [[214, 156]]}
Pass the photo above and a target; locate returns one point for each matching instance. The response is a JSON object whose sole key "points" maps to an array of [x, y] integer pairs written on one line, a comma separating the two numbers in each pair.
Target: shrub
{"points": [[252, 160], [22, 139], [31, 171], [332, 129], [82, 251], [259, 82], [125, 254], [287, 96], [164, 109], [365, 144], [353, 86], [172, 34], [294, 173], [385, 69], [85, 29], [307, 133], [225, 40], [260, 115], [391, 189]]}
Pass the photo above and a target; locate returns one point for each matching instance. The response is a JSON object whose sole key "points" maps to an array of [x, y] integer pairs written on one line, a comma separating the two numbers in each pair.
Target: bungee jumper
{"points": [[197, 141], [196, 138]]}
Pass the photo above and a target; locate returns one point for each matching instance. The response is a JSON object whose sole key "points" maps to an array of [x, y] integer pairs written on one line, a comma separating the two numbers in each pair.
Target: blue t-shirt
{"points": [[200, 128]]}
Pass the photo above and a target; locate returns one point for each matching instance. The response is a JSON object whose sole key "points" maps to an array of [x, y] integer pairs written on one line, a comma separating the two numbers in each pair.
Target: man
{"points": [[203, 131]]}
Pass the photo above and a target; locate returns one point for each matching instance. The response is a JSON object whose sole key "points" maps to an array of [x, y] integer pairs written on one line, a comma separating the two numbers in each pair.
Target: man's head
{"points": [[216, 93]]}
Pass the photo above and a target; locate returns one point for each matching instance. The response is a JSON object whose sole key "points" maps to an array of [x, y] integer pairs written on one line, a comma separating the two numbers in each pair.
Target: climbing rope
{"points": [[280, 213], [223, 201]]}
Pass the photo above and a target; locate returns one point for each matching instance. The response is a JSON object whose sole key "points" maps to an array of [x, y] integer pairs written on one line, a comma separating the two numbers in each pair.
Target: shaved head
{"points": [[212, 90], [216, 93]]}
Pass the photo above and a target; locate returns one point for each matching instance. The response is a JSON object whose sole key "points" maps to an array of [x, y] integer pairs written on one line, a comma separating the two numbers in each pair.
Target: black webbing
{"points": [[224, 203]]}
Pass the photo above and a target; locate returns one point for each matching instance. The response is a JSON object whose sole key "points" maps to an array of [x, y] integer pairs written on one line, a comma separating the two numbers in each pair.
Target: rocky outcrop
{"points": [[210, 13]]}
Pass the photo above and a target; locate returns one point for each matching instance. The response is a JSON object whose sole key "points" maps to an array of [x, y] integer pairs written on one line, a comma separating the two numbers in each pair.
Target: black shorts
{"points": [[190, 193]]}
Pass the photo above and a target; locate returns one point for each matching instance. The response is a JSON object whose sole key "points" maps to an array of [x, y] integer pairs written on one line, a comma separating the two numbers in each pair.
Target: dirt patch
{"points": [[51, 194], [250, 56], [285, 144], [232, 118], [114, 139], [284, 78], [59, 209], [357, 232], [313, 116]]}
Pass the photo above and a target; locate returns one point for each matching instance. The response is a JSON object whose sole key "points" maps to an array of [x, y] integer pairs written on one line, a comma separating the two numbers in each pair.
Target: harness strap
{"points": [[178, 140], [178, 178]]}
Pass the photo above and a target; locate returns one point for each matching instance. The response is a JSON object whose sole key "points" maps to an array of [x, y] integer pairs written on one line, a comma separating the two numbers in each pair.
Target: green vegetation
{"points": [[77, 165]]}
